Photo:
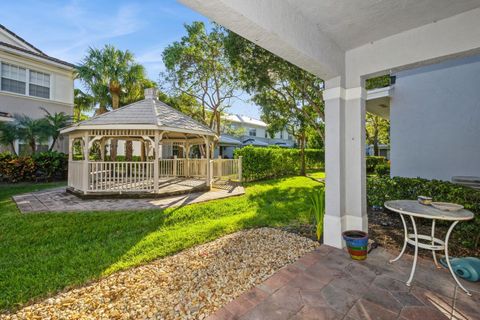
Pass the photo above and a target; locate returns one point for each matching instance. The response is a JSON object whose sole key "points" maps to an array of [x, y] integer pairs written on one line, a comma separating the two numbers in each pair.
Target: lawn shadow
{"points": [[41, 254]]}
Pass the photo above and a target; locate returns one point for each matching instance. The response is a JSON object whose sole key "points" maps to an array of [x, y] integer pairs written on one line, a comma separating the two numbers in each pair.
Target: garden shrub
{"points": [[373, 161], [51, 165], [381, 189], [383, 169], [261, 163], [40, 166]]}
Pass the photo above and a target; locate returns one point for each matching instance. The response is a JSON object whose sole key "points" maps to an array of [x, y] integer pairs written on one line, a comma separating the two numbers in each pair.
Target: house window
{"points": [[13, 78], [290, 137], [39, 84], [281, 134], [266, 134], [252, 132]]}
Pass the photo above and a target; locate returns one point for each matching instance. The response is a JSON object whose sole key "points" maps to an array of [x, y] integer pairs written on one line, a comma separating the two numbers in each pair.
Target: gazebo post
{"points": [[155, 164], [102, 149], [207, 146], [86, 155], [187, 157], [70, 149]]}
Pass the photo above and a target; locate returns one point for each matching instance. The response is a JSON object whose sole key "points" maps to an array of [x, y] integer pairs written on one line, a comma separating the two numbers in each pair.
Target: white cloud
{"points": [[89, 27]]}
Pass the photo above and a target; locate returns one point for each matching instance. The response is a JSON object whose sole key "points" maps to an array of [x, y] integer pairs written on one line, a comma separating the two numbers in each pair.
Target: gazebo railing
{"points": [[139, 176], [120, 176], [75, 174], [226, 169]]}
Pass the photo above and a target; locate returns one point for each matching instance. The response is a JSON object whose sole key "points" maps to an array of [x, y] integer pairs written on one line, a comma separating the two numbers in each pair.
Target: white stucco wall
{"points": [[435, 121]]}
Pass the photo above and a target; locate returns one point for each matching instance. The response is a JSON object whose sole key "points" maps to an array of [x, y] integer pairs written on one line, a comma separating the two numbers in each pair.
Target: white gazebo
{"points": [[170, 152]]}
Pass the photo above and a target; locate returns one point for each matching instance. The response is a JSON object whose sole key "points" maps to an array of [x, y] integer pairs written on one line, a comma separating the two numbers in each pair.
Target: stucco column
{"points": [[344, 160], [355, 149], [334, 96]]}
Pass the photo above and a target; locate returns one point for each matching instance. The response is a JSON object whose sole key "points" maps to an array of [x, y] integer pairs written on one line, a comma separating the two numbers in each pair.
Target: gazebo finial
{"points": [[150, 93]]}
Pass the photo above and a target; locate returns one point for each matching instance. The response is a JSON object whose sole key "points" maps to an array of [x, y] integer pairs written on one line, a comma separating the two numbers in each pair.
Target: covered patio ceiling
{"points": [[325, 36]]}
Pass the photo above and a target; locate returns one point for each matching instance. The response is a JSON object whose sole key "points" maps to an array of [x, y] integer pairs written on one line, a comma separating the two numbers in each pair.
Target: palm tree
{"points": [[54, 123], [31, 130], [8, 135], [82, 102], [91, 75], [114, 73]]}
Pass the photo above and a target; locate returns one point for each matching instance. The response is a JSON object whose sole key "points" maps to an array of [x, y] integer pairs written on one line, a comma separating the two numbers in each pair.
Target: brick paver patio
{"points": [[327, 284], [59, 200]]}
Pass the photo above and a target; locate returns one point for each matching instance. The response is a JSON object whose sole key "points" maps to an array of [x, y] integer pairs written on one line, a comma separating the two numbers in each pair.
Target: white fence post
{"points": [[240, 168]]}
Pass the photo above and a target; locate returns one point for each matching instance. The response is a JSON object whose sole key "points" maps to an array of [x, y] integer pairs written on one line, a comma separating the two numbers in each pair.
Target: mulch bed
{"points": [[189, 285], [386, 229]]}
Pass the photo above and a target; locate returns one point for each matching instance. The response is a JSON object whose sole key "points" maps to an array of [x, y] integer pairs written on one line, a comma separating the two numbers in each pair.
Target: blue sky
{"points": [[65, 29]]}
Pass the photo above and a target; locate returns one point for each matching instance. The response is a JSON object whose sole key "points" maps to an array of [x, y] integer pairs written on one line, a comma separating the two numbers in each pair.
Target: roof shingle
{"points": [[148, 112]]}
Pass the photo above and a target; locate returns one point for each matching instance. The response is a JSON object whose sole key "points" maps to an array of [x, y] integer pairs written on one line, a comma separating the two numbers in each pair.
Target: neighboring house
{"points": [[31, 79], [383, 150], [253, 132], [434, 114]]}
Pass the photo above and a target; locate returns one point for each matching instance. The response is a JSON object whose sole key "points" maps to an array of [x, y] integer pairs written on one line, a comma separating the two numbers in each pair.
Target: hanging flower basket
{"points": [[357, 243]]}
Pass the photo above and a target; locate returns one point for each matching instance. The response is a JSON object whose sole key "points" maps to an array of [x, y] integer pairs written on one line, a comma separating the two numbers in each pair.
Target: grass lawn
{"points": [[41, 254], [316, 174]]}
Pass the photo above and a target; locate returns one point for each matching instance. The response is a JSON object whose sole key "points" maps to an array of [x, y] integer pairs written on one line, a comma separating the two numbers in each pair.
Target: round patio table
{"points": [[413, 209]]}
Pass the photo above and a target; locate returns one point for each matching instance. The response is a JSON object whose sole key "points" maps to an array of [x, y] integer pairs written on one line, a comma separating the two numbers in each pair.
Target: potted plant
{"points": [[357, 243]]}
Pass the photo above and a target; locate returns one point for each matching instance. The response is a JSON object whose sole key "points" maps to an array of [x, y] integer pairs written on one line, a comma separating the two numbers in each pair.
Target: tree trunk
{"points": [[113, 149], [101, 110], [218, 123], [128, 150], [115, 101], [53, 143], [376, 151], [33, 146], [303, 170], [142, 151], [12, 146]]}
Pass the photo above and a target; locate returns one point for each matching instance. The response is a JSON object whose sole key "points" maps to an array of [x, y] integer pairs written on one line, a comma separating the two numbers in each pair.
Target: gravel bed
{"points": [[189, 285]]}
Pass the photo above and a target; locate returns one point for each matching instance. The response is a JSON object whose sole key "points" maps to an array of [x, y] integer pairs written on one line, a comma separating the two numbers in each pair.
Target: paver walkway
{"points": [[59, 200], [327, 284]]}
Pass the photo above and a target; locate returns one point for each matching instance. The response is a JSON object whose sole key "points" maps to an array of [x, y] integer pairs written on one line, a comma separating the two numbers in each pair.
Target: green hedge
{"points": [[44, 166], [372, 162], [262, 163], [381, 189]]}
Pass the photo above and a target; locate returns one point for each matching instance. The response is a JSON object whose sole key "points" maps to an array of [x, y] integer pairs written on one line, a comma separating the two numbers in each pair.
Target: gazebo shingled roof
{"points": [[149, 111]]}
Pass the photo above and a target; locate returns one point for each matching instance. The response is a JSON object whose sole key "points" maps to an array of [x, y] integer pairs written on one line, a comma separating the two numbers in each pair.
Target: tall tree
{"points": [[54, 122], [8, 135], [197, 66], [82, 102], [377, 131], [289, 97], [276, 83]]}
